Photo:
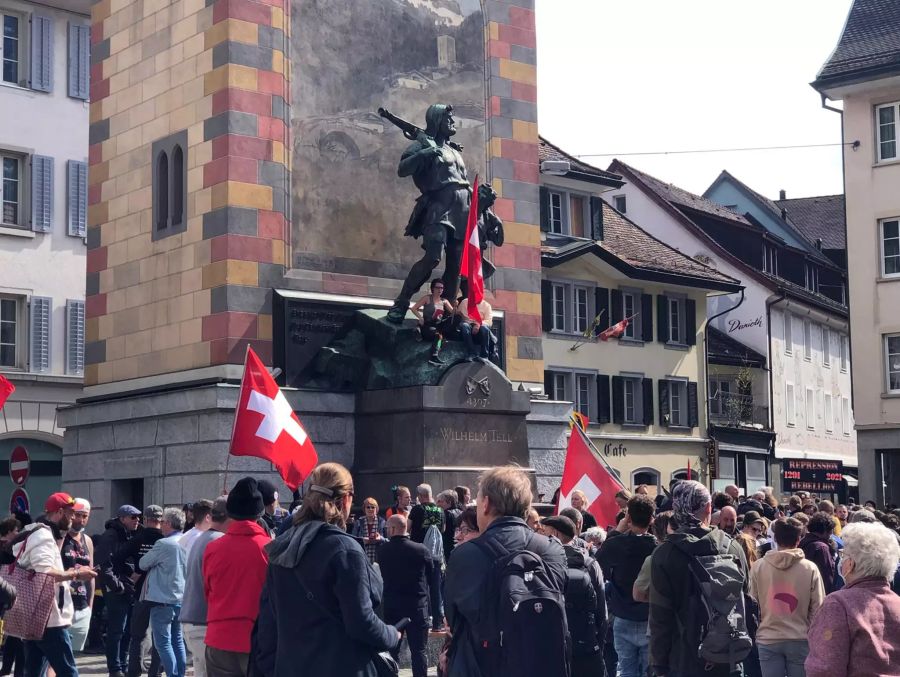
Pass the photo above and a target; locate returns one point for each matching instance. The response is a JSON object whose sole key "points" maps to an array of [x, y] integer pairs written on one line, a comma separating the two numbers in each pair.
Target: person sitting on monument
{"points": [[433, 313], [476, 336]]}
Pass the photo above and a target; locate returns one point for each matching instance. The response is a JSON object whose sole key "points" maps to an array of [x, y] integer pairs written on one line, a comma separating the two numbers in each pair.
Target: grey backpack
{"points": [[717, 607]]}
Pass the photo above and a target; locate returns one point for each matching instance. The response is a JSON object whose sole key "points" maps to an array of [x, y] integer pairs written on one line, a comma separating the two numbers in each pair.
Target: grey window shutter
{"points": [[603, 398], [662, 318], [647, 317], [74, 337], [617, 312], [690, 322], [76, 174], [41, 193], [40, 333], [41, 53], [546, 305], [693, 405], [596, 218], [545, 209], [618, 399], [647, 385], [548, 384], [601, 305], [79, 61]]}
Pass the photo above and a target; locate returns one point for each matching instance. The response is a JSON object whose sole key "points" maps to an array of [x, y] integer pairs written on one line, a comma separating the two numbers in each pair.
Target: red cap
{"points": [[58, 501]]}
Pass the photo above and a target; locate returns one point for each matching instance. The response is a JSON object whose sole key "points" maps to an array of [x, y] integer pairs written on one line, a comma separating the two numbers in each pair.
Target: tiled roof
{"points": [[723, 349], [804, 294], [818, 217], [547, 151], [682, 198], [869, 44], [628, 242]]}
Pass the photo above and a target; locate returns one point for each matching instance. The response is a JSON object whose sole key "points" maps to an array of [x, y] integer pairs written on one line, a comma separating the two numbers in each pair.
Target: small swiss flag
{"points": [[266, 426], [585, 470], [470, 264], [614, 331], [6, 389]]}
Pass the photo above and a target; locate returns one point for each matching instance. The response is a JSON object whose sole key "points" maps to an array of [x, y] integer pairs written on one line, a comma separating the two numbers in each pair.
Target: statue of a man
{"points": [[441, 212]]}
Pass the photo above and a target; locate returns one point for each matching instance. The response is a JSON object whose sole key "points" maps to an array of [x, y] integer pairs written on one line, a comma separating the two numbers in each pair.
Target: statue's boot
{"points": [[398, 311]]}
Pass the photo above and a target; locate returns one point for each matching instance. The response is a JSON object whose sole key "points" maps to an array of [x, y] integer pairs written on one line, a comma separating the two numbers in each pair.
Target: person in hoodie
{"points": [[317, 604], [117, 587], [855, 632], [819, 549], [789, 591], [621, 557], [234, 568], [671, 653]]}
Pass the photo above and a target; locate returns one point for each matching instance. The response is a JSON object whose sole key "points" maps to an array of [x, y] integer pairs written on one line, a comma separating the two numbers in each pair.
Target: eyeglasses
{"points": [[462, 529], [370, 507]]}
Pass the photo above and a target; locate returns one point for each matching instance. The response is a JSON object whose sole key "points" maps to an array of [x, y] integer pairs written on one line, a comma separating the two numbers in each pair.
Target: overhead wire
{"points": [[717, 150]]}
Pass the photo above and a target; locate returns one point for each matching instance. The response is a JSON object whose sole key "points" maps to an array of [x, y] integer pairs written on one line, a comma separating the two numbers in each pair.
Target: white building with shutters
{"points": [[44, 119]]}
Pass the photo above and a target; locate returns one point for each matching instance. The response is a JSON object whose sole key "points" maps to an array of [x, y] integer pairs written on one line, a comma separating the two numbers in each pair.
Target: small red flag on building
{"points": [[6, 389], [586, 470], [614, 331], [266, 426], [470, 265]]}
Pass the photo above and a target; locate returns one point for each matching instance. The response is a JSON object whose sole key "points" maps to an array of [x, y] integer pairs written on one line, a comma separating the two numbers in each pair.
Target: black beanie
{"points": [[245, 502], [268, 491]]}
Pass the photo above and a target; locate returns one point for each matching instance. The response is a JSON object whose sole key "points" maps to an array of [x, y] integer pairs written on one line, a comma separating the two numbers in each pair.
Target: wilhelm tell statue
{"points": [[441, 211]]}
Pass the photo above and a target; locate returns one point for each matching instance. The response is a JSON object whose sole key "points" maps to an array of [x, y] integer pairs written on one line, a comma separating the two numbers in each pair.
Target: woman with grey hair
{"points": [[595, 536], [855, 632]]}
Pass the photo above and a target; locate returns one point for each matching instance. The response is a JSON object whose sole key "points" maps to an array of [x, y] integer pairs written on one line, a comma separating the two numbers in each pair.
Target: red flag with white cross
{"points": [[6, 389], [587, 471], [265, 426]]}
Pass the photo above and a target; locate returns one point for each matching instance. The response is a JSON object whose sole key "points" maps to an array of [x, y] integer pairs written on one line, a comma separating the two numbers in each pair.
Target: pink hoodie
{"points": [[788, 588]]}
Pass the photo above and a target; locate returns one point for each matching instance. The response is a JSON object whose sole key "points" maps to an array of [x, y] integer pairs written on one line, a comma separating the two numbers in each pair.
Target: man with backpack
{"points": [[426, 526], [697, 605], [585, 601], [504, 589]]}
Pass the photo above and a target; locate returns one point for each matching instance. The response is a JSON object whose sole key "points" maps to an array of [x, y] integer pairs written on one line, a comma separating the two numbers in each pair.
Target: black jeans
{"points": [[140, 622], [13, 654], [118, 615], [417, 638], [55, 648]]}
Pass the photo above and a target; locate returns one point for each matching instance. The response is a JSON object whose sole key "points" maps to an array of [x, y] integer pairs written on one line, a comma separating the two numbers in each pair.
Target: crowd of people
{"points": [[685, 585]]}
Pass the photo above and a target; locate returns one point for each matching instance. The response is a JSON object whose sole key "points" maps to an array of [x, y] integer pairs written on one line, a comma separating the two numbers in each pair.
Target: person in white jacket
{"points": [[40, 551]]}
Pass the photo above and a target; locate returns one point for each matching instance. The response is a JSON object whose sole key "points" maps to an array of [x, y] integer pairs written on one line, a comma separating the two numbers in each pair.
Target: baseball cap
{"points": [[127, 511], [58, 501], [153, 512], [82, 505]]}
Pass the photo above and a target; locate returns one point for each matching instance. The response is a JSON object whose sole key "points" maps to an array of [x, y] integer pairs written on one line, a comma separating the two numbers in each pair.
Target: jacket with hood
{"points": [[671, 584], [577, 558], [789, 590], [40, 552], [127, 559], [114, 576], [317, 606], [820, 551], [622, 557]]}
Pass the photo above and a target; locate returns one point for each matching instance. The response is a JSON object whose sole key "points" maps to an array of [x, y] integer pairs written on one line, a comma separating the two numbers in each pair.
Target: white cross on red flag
{"points": [[587, 471], [470, 263], [266, 426]]}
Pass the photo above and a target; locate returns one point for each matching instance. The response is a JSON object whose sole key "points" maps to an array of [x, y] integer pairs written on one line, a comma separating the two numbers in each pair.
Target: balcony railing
{"points": [[737, 411]]}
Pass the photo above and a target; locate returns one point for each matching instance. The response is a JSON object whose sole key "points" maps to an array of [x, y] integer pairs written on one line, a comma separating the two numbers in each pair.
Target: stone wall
{"points": [[548, 424]]}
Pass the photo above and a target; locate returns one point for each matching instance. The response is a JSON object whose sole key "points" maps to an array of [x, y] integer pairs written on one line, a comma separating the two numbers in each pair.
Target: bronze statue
{"points": [[441, 212]]}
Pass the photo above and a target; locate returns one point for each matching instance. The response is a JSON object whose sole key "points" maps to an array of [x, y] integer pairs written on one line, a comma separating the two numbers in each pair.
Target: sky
{"points": [[628, 76]]}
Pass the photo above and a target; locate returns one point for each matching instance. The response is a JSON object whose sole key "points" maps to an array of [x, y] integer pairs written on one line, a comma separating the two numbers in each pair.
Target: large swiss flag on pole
{"points": [[585, 469], [470, 264], [266, 426]]}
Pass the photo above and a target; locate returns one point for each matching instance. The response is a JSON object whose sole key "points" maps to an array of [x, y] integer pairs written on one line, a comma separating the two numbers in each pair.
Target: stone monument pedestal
{"points": [[444, 434]]}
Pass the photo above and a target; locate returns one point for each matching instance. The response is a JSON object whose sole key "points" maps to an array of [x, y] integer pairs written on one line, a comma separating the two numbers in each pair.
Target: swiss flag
{"points": [[6, 389], [585, 470], [470, 265], [614, 331], [266, 426]]}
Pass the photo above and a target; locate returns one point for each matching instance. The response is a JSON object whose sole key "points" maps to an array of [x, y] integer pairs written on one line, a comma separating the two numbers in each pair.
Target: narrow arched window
{"points": [[177, 186], [162, 192]]}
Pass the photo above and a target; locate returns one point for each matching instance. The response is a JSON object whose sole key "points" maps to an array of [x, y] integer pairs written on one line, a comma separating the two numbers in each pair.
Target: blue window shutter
{"points": [[76, 174], [41, 53], [41, 193], [79, 61], [74, 337], [40, 333]]}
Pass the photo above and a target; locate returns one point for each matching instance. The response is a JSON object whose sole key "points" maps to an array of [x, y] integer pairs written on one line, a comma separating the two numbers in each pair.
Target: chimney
{"points": [[782, 194]]}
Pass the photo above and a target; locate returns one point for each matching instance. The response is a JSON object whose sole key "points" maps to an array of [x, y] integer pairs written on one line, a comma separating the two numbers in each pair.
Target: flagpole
{"points": [[237, 406]]}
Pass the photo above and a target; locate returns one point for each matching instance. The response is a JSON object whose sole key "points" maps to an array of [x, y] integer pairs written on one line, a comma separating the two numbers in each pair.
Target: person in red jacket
{"points": [[234, 570]]}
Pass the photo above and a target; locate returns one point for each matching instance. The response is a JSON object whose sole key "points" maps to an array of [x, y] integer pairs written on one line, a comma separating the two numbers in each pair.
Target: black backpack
{"points": [[581, 612], [523, 630], [716, 607]]}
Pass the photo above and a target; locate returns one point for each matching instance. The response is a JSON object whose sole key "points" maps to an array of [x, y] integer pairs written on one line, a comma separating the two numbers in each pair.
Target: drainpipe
{"points": [[769, 305], [706, 351]]}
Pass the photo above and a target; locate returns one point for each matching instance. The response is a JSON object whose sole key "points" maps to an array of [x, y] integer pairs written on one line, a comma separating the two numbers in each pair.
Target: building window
{"points": [[826, 347], [13, 50], [571, 307], [845, 349], [9, 332], [845, 415], [788, 334], [810, 408], [890, 247], [559, 307], [886, 118], [892, 360], [719, 394], [648, 476], [583, 394], [807, 340], [677, 403], [559, 387], [812, 278], [580, 309], [576, 216], [790, 405], [634, 405], [829, 413], [770, 259], [556, 213], [169, 185], [621, 203], [11, 191], [580, 388], [629, 309], [676, 318]]}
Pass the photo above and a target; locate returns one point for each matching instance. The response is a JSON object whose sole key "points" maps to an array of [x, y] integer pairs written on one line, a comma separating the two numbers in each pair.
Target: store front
{"points": [[742, 458]]}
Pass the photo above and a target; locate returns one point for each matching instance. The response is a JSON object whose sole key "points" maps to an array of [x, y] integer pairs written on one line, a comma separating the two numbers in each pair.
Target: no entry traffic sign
{"points": [[19, 465], [19, 501]]}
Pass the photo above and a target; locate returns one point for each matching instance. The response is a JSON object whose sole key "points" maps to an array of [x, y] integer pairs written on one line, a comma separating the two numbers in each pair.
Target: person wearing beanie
{"points": [[234, 570], [274, 515]]}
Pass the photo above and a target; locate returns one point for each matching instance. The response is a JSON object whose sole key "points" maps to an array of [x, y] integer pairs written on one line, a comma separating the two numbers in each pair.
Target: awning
{"points": [[781, 452], [851, 481]]}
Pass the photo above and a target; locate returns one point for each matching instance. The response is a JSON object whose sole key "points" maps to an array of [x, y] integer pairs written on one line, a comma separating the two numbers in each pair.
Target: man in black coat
{"points": [[405, 567]]}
